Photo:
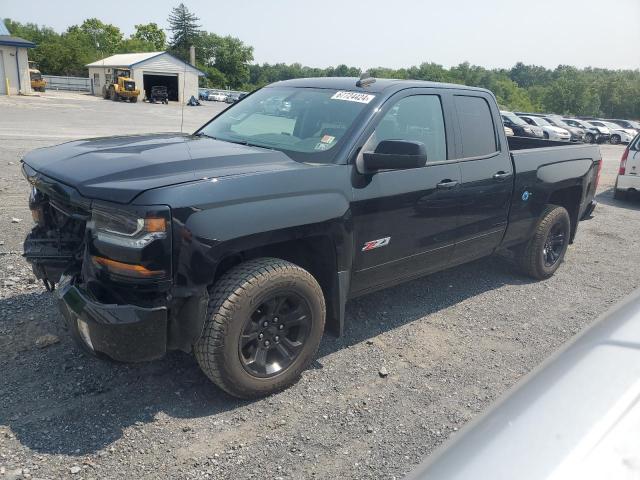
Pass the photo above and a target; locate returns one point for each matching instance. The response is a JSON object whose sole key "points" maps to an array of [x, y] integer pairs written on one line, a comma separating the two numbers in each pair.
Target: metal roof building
{"points": [[14, 63], [149, 69]]}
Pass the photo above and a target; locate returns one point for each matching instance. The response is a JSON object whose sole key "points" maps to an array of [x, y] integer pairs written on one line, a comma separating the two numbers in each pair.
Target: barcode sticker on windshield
{"points": [[353, 97]]}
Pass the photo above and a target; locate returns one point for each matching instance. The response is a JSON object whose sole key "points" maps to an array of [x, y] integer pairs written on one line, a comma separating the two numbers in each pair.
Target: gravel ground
{"points": [[451, 344]]}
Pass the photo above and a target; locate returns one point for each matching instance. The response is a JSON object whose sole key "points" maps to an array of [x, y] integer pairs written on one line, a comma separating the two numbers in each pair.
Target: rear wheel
{"points": [[264, 324], [619, 194], [133, 99], [615, 139], [541, 256], [114, 95]]}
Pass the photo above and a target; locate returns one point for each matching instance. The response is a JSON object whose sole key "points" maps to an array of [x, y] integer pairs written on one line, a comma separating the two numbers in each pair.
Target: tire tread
{"points": [[225, 297]]}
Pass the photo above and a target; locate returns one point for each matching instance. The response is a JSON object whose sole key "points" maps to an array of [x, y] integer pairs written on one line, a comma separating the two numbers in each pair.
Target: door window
{"points": [[418, 118], [476, 126]]}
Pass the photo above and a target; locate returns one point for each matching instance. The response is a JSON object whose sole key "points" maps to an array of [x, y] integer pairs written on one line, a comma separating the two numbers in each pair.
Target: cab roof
{"points": [[387, 85]]}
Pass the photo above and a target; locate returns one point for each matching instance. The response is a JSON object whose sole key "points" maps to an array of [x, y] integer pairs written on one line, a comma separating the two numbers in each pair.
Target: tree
{"points": [[185, 29], [105, 37], [151, 34], [228, 57]]}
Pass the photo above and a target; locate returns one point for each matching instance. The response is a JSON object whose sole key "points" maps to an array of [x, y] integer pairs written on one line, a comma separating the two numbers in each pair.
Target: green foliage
{"points": [[106, 37], [184, 29], [152, 35], [226, 62]]}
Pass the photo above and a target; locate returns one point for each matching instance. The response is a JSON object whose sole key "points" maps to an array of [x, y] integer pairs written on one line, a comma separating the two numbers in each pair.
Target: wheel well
{"points": [[317, 255], [569, 198]]}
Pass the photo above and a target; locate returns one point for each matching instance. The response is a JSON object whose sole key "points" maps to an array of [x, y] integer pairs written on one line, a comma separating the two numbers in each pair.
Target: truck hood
{"points": [[117, 169]]}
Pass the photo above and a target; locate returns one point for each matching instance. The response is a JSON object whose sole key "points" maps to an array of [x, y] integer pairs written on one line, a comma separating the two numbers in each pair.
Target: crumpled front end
{"points": [[112, 265]]}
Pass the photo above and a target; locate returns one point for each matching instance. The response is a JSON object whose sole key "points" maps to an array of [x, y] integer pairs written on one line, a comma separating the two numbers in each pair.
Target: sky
{"points": [[390, 33]]}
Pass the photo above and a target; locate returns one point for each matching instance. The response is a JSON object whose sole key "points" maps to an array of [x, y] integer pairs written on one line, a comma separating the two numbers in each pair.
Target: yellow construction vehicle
{"points": [[122, 87], [37, 82]]}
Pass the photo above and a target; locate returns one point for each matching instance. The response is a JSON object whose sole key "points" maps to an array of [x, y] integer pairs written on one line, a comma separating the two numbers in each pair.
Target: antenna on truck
{"points": [[365, 80]]}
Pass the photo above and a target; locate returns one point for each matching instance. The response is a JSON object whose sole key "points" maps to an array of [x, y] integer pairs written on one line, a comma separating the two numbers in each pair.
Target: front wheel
{"points": [[264, 324], [133, 99], [615, 139], [588, 138], [541, 256]]}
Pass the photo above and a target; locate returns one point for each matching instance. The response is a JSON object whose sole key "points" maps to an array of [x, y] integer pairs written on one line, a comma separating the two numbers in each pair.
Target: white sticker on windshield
{"points": [[353, 97]]}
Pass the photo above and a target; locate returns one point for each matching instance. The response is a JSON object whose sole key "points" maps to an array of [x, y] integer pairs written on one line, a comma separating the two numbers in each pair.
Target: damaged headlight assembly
{"points": [[126, 230], [133, 244]]}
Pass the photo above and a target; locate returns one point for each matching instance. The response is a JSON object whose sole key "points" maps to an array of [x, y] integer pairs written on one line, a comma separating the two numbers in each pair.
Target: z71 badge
{"points": [[382, 242]]}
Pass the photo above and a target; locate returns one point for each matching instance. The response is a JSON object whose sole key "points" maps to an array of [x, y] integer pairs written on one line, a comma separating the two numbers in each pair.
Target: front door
{"points": [[405, 220]]}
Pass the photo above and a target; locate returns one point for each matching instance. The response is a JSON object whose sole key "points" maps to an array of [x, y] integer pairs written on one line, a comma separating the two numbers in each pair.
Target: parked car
{"points": [[519, 126], [203, 94], [592, 134], [628, 179], [242, 241], [618, 133], [159, 94], [550, 132], [629, 124], [577, 134], [232, 98], [574, 417], [217, 96]]}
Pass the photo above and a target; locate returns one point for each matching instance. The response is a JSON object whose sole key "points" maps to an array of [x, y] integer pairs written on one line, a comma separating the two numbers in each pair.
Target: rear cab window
{"points": [[477, 129]]}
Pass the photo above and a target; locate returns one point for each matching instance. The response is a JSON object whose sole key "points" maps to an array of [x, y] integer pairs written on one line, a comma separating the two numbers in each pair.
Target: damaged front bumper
{"points": [[126, 333]]}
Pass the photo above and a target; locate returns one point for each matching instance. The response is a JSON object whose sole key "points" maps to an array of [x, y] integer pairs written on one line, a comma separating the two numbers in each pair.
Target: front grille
{"points": [[130, 86]]}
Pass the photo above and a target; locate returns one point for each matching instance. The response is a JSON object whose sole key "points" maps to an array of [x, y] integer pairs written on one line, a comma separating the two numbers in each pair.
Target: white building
{"points": [[147, 70], [14, 63]]}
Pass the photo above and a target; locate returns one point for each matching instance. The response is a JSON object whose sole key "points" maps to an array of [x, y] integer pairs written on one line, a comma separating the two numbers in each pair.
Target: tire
{"points": [[133, 99], [546, 136], [588, 138], [533, 257], [620, 194], [114, 95], [615, 139], [242, 302]]}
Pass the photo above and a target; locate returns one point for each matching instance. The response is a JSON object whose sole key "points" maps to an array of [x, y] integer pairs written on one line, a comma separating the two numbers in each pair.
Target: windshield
{"points": [[557, 122], [514, 119], [539, 121], [612, 125], [305, 123]]}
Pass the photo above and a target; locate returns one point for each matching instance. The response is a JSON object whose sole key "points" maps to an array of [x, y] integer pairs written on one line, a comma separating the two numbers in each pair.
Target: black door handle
{"points": [[501, 175], [446, 184]]}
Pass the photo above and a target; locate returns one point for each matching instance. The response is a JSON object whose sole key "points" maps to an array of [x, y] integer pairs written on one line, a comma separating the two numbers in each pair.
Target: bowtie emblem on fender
{"points": [[381, 242]]}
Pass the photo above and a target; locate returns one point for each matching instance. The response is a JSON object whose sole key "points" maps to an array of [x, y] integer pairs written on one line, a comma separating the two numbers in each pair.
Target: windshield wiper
{"points": [[202, 134], [245, 143]]}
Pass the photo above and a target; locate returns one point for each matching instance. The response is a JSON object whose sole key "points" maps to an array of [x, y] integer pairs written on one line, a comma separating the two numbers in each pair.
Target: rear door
{"points": [[487, 175], [405, 220]]}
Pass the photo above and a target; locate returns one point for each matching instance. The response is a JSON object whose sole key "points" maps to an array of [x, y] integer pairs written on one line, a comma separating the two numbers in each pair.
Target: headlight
{"points": [[126, 230]]}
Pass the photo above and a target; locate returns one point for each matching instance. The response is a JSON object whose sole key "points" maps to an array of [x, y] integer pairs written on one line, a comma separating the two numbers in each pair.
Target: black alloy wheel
{"points": [[554, 244], [273, 336]]}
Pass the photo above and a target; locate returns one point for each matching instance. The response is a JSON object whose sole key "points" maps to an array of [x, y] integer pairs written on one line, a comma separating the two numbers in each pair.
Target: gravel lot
{"points": [[451, 343]]}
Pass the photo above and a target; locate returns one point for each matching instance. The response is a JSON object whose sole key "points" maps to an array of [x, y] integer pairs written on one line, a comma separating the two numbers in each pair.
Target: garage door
{"points": [[169, 80]]}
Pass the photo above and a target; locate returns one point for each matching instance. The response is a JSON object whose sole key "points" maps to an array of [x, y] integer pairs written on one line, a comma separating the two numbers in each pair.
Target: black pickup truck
{"points": [[243, 241]]}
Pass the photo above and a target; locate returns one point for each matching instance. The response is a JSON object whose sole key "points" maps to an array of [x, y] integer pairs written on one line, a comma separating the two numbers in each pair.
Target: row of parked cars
{"points": [[567, 129], [220, 95]]}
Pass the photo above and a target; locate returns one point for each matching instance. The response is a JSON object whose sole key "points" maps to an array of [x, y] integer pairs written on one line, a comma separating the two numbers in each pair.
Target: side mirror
{"points": [[394, 155]]}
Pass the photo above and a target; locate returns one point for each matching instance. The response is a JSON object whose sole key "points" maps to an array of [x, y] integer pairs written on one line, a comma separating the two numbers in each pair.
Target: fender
{"points": [[231, 217]]}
